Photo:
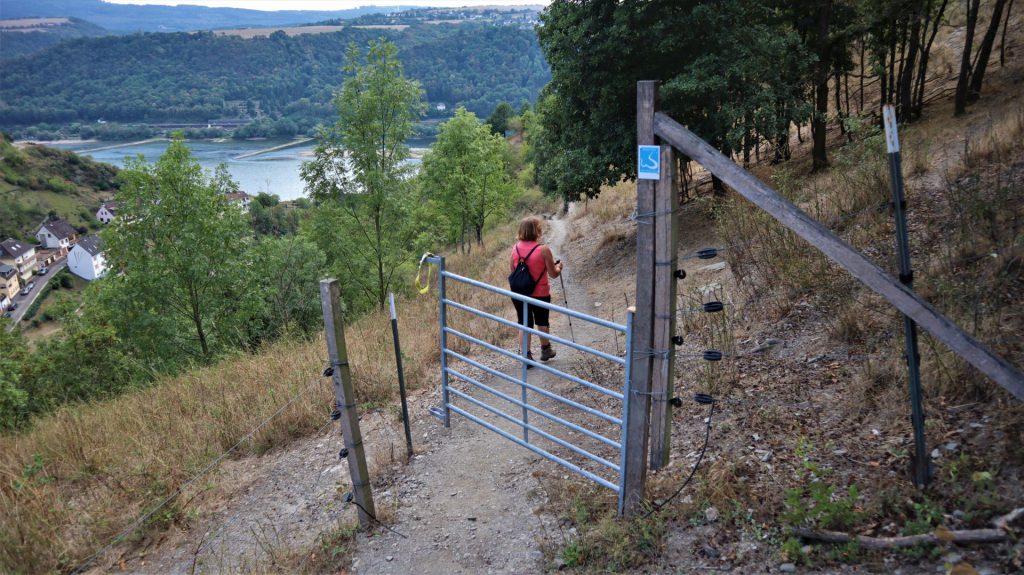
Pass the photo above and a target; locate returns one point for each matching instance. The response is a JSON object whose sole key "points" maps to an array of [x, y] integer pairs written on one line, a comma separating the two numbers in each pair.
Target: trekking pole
{"points": [[565, 299]]}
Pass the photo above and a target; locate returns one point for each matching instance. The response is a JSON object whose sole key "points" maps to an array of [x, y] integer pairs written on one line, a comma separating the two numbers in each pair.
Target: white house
{"points": [[56, 234], [86, 260], [240, 199], [107, 212], [19, 255]]}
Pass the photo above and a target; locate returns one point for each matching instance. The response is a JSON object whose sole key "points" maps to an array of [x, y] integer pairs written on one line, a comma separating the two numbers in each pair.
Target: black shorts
{"points": [[536, 313]]}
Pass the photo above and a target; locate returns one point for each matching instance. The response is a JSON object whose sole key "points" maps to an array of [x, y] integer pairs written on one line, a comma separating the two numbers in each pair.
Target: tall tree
{"points": [[498, 120], [359, 163], [179, 281], [719, 77], [963, 81], [985, 51], [465, 175]]}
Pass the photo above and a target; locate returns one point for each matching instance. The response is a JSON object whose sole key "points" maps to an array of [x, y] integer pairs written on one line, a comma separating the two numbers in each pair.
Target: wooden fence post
{"points": [[637, 416], [345, 398], [665, 264]]}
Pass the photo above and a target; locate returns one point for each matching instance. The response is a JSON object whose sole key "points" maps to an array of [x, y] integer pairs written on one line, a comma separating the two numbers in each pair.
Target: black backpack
{"points": [[520, 281]]}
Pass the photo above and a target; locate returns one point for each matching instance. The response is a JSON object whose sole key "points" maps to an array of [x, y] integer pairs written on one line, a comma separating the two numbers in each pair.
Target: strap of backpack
{"points": [[521, 258]]}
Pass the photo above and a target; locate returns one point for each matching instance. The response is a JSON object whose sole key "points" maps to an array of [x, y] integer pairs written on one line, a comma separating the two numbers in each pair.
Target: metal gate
{"points": [[530, 431]]}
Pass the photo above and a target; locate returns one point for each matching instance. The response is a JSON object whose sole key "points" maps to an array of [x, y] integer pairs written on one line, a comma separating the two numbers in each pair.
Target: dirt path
{"points": [[469, 501], [472, 503]]}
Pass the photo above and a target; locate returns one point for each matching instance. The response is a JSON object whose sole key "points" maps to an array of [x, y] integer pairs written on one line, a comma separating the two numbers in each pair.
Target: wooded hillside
{"points": [[188, 77]]}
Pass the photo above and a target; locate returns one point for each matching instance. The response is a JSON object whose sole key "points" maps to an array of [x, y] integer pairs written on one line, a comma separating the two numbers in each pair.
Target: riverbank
{"points": [[121, 145], [69, 142]]}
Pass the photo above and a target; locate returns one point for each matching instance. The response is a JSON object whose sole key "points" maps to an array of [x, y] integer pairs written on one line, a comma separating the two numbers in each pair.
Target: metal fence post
{"points": [[624, 435], [920, 463], [526, 366], [442, 296], [345, 398], [401, 376]]}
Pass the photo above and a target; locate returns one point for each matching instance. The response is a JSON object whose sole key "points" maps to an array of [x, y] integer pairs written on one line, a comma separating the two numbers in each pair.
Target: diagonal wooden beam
{"points": [[862, 268]]}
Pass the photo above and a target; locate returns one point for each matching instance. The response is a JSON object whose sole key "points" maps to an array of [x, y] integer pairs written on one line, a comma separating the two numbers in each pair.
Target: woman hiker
{"points": [[541, 265]]}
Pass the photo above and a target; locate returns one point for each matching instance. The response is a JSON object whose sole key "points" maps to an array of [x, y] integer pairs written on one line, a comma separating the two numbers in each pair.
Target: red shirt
{"points": [[535, 263]]}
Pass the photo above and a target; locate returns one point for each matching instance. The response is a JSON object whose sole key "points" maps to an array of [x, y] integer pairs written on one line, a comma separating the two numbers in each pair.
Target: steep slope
{"points": [[36, 181]]}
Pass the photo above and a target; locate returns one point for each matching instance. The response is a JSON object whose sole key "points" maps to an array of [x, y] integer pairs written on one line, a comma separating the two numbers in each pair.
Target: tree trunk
{"points": [[717, 186], [197, 319], [838, 75], [960, 100], [819, 153], [906, 95], [890, 87], [381, 288], [985, 51], [922, 76], [863, 70], [1002, 42]]}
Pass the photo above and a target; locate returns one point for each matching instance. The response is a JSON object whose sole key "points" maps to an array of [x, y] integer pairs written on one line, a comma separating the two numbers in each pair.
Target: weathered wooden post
{"points": [[665, 263], [639, 402], [345, 398]]}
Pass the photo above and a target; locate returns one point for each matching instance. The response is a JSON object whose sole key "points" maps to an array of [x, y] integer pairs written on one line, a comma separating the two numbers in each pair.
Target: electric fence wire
{"points": [[700, 398], [181, 488], [350, 499]]}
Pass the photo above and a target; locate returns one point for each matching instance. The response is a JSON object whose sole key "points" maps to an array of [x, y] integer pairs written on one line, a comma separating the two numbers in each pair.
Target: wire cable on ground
{"points": [[349, 498], [181, 488], [699, 398]]}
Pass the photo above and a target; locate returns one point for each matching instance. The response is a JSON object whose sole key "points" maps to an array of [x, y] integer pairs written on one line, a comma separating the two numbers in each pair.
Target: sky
{"points": [[327, 4]]}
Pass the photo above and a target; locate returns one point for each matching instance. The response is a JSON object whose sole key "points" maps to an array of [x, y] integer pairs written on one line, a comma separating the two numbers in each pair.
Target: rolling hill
{"points": [[26, 35]]}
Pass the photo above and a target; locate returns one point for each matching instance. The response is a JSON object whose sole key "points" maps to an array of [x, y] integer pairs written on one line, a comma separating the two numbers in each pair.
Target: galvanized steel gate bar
{"points": [[525, 386]]}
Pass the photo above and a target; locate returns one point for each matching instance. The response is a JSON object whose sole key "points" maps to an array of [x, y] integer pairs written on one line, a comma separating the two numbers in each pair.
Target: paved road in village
{"points": [[24, 301]]}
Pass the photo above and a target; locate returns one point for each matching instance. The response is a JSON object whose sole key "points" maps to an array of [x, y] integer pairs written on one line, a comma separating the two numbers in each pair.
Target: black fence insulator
{"points": [[703, 398], [676, 402], [329, 371], [680, 274], [336, 415], [707, 253], [713, 355], [714, 306], [677, 340], [343, 453]]}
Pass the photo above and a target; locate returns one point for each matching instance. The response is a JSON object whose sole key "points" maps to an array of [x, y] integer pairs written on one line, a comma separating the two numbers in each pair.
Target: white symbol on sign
{"points": [[648, 159], [648, 162]]}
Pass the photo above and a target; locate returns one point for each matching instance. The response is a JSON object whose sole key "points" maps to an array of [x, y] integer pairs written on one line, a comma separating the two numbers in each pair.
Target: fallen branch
{"points": [[966, 537], [1005, 521]]}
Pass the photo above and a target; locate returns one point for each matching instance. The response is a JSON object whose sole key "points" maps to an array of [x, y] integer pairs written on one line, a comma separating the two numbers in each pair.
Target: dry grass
{"points": [[78, 477], [995, 144], [613, 205]]}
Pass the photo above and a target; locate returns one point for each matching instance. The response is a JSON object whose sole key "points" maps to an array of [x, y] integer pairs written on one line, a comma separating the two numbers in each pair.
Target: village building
{"points": [[19, 255], [58, 235], [9, 285], [240, 199], [86, 259], [107, 212]]}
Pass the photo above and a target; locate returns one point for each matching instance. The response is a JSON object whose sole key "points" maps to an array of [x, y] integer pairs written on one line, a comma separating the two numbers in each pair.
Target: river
{"points": [[275, 172]]}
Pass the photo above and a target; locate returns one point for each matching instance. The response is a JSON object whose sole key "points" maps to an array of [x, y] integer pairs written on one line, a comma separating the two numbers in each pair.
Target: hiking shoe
{"points": [[546, 353]]}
